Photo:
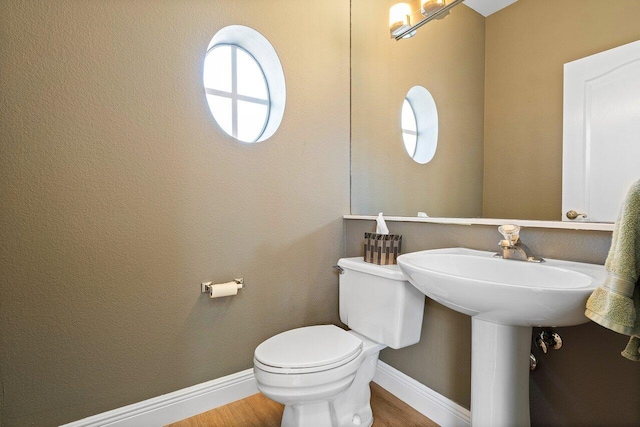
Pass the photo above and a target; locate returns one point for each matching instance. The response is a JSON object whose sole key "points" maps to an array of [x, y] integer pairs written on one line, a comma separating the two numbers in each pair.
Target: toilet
{"points": [[322, 373]]}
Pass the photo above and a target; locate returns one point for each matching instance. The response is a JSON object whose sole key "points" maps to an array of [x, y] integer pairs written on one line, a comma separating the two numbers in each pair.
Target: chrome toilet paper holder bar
{"points": [[207, 287]]}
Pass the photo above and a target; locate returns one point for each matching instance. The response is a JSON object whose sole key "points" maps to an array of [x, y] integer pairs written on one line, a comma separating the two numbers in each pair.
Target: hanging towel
{"points": [[616, 304]]}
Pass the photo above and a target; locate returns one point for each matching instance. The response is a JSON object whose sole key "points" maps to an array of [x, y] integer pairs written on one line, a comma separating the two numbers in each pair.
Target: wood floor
{"points": [[258, 411]]}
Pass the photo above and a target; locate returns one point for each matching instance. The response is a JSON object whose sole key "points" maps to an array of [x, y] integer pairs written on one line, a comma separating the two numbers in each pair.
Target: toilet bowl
{"points": [[314, 392], [322, 373]]}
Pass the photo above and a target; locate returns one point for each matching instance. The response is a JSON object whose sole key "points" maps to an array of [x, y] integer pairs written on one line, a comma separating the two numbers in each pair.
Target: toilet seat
{"points": [[306, 350]]}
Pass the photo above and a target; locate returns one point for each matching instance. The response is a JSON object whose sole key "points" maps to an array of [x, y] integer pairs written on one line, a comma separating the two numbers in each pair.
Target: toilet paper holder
{"points": [[208, 287]]}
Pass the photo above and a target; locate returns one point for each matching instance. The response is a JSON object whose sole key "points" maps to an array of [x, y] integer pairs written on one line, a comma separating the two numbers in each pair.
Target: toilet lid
{"points": [[309, 347]]}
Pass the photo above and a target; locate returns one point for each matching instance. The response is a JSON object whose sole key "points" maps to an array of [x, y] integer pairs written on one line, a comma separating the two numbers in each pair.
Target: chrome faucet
{"points": [[512, 248]]}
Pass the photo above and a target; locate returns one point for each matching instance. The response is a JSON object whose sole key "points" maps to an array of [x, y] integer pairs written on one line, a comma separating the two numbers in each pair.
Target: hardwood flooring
{"points": [[259, 411]]}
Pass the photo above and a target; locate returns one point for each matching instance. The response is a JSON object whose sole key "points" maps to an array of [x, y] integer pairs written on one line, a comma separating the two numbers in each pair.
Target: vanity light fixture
{"points": [[400, 20], [431, 6], [400, 16]]}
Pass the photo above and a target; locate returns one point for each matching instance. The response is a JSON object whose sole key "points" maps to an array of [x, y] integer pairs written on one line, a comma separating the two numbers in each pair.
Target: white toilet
{"points": [[322, 373]]}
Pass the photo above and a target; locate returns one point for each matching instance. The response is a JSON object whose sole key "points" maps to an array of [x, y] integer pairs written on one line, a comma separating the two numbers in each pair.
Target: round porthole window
{"points": [[244, 84], [419, 122], [409, 128]]}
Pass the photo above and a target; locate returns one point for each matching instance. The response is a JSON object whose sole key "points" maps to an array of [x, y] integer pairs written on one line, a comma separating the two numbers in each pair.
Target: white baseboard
{"points": [[432, 405], [177, 405], [200, 398]]}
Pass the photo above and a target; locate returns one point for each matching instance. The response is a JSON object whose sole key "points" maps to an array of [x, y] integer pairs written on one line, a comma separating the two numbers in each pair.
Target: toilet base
{"points": [[350, 408], [311, 414], [353, 406]]}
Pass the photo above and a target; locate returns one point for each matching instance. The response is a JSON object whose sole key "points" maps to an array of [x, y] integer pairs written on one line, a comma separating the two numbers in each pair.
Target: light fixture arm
{"points": [[434, 15]]}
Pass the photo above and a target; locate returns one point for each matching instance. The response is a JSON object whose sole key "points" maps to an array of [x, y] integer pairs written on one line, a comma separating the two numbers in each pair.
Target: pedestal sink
{"points": [[505, 298]]}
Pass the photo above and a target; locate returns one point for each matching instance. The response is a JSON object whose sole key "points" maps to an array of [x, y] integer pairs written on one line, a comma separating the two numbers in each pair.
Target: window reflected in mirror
{"points": [[419, 121]]}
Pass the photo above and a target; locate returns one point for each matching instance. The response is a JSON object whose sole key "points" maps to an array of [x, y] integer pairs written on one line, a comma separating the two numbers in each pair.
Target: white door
{"points": [[601, 139]]}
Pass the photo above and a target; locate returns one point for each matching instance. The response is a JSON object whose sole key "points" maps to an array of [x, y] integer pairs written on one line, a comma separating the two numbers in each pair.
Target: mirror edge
{"points": [[585, 226]]}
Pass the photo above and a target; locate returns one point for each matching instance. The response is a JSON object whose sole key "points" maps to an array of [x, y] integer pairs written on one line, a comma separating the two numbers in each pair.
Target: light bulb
{"points": [[399, 14], [431, 6], [400, 19]]}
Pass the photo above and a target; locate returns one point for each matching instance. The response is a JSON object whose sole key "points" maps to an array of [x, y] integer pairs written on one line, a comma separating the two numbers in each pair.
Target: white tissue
{"points": [[224, 290], [381, 228], [422, 215]]}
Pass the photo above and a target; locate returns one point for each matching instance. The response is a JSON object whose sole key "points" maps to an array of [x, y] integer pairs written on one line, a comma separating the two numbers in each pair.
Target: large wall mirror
{"points": [[498, 85]]}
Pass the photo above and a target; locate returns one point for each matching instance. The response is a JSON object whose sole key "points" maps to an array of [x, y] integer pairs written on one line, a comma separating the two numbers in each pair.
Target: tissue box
{"points": [[382, 249]]}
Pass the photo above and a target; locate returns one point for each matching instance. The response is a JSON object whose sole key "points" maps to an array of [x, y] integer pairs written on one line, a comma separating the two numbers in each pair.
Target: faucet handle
{"points": [[504, 244], [510, 232]]}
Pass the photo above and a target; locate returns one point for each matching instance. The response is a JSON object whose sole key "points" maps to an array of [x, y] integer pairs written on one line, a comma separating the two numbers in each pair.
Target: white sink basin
{"points": [[508, 292], [505, 299]]}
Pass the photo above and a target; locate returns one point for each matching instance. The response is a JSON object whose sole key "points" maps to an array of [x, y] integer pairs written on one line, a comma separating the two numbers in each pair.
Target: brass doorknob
{"points": [[573, 214]]}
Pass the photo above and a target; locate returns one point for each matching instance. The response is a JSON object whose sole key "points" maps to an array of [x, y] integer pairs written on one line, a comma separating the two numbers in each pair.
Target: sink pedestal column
{"points": [[499, 374]]}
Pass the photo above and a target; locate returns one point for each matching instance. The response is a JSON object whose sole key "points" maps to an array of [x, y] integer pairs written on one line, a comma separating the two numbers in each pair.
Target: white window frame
{"points": [[235, 96], [426, 114], [413, 133], [258, 47]]}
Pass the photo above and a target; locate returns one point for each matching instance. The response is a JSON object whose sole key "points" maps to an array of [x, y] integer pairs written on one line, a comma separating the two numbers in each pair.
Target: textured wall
{"points": [[447, 58], [527, 45], [586, 383], [120, 195]]}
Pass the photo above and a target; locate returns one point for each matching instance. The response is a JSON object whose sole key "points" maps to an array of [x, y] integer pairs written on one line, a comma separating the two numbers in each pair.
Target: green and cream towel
{"points": [[616, 304]]}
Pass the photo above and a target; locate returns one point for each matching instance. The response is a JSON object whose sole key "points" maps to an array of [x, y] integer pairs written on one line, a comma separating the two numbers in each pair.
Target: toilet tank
{"points": [[378, 302]]}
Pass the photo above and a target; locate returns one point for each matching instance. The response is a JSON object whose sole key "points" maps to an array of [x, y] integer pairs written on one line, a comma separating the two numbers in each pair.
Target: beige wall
{"points": [[447, 58], [527, 45], [586, 383], [120, 195]]}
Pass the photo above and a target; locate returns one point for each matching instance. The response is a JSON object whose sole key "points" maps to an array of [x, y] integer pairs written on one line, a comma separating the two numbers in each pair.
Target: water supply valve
{"points": [[548, 339], [533, 362]]}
